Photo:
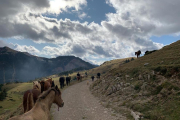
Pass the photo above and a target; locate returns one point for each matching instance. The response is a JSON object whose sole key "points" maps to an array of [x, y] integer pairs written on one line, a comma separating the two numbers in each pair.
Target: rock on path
{"points": [[80, 104]]}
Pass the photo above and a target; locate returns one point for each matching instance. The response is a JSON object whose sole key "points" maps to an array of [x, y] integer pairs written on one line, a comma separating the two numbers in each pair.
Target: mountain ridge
{"points": [[22, 66]]}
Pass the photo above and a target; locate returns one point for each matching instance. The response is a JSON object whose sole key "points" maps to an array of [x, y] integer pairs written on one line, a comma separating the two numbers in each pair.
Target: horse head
{"points": [[50, 81], [37, 85], [58, 100], [135, 53]]}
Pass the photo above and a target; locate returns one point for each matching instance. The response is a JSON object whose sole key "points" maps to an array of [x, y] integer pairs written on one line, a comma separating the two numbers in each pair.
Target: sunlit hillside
{"points": [[12, 105], [149, 85]]}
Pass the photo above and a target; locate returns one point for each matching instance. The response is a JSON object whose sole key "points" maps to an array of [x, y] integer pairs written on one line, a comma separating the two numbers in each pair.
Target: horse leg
{"points": [[61, 85]]}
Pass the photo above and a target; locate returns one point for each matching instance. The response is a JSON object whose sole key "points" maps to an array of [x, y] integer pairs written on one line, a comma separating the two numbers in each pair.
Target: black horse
{"points": [[138, 53], [68, 79], [61, 81]]}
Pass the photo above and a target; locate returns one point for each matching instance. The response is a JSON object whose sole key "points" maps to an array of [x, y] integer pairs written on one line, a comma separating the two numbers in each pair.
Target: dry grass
{"points": [[13, 102], [108, 66], [163, 91]]}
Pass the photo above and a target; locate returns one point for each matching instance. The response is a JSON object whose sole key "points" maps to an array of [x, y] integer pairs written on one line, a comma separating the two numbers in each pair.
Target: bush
{"points": [[132, 59], [163, 71], [135, 71], [149, 52], [3, 94], [158, 90], [157, 69], [154, 77], [137, 87], [126, 61]]}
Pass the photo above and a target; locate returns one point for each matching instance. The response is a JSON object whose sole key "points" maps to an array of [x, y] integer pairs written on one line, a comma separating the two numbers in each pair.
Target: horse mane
{"points": [[45, 93]]}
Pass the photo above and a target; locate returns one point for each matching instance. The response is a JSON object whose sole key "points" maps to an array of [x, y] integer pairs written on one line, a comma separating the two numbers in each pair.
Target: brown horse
{"points": [[30, 96], [41, 110], [138, 53], [37, 85], [50, 81], [45, 85], [29, 99], [82, 76], [78, 78]]}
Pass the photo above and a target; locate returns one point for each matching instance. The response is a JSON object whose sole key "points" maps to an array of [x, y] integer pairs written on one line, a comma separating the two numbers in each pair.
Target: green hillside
{"points": [[148, 85]]}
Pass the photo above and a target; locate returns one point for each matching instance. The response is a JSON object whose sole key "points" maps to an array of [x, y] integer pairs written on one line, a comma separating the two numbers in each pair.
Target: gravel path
{"points": [[80, 104]]}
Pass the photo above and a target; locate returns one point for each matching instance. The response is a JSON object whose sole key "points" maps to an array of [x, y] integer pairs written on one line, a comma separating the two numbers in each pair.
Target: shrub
{"points": [[135, 71], [137, 87], [163, 71], [157, 69], [3, 94], [154, 77]]}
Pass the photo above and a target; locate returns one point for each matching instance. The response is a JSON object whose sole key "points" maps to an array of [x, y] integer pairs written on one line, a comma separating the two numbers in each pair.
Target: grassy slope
{"points": [[159, 99], [12, 105], [167, 57], [15, 91], [107, 66], [14, 97]]}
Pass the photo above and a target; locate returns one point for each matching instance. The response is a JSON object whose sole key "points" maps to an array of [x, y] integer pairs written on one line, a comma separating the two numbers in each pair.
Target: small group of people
{"points": [[62, 79], [98, 76]]}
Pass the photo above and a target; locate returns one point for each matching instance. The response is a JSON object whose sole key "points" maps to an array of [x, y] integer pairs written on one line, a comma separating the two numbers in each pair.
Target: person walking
{"points": [[92, 78], [78, 76]]}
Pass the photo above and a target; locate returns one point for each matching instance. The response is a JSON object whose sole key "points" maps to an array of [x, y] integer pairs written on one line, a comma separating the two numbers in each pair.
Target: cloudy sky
{"points": [[94, 30]]}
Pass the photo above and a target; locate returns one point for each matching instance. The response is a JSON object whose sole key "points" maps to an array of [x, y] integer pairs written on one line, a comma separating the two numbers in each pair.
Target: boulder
{"points": [[146, 64]]}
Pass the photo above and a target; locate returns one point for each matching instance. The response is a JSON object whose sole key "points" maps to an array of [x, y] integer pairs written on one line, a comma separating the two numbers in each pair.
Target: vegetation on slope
{"points": [[149, 85]]}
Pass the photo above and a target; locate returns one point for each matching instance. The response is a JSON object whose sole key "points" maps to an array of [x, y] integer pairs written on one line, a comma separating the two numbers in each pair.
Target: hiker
{"points": [[78, 76], [92, 78], [86, 74]]}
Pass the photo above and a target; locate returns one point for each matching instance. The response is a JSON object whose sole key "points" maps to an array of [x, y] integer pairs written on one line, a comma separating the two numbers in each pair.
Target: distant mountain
{"points": [[22, 66]]}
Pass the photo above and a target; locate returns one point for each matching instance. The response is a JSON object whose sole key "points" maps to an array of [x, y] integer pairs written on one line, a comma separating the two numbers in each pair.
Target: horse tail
{"points": [[30, 102]]}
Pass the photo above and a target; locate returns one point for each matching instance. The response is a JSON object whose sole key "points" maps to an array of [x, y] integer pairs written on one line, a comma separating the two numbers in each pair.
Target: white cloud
{"points": [[24, 48], [3, 44], [123, 33], [82, 16], [150, 16], [58, 6]]}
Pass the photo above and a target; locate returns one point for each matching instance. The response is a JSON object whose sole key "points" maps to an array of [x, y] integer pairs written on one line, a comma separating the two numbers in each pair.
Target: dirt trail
{"points": [[80, 104]]}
